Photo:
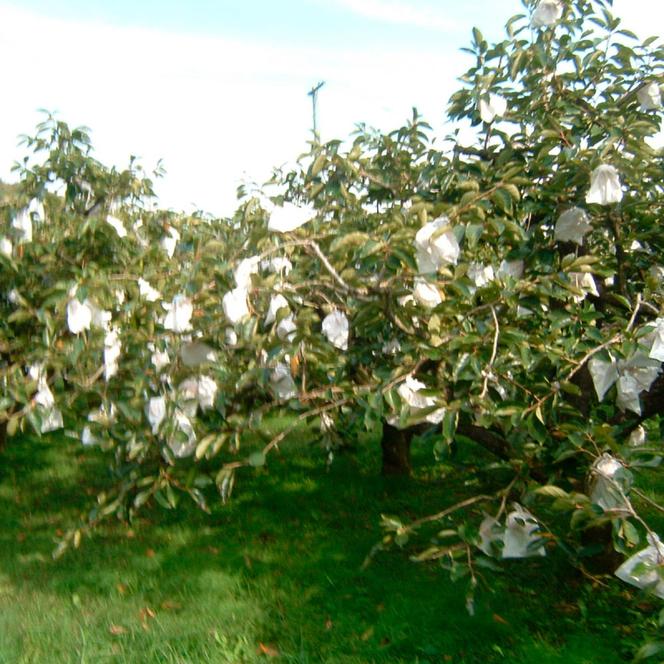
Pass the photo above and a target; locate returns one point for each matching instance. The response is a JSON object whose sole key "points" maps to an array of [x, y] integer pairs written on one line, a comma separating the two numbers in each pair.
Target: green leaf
{"points": [[649, 650], [204, 444], [141, 498], [478, 38], [351, 240], [318, 164], [12, 425], [513, 191], [473, 234], [630, 533], [552, 491], [503, 200], [256, 459]]}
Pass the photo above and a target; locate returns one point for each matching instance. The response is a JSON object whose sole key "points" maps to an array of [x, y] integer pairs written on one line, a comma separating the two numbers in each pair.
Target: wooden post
{"points": [[313, 93]]}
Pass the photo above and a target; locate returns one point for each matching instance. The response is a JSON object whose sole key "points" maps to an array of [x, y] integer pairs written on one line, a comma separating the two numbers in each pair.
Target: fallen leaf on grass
{"points": [[170, 605], [367, 634], [117, 630], [566, 608], [267, 650], [645, 606], [266, 538], [144, 616], [150, 553], [121, 588], [499, 619], [329, 624]]}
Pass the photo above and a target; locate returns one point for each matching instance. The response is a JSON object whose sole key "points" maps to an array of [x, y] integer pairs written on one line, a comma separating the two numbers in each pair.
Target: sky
{"points": [[217, 89]]}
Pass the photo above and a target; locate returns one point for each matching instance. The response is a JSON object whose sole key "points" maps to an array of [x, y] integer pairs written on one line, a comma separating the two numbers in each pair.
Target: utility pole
{"points": [[313, 93]]}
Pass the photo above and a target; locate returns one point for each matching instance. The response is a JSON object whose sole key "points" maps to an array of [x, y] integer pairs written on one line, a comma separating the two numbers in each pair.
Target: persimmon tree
{"points": [[500, 289]]}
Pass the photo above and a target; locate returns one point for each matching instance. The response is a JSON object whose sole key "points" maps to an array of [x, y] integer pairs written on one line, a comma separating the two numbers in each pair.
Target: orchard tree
{"points": [[501, 289]]}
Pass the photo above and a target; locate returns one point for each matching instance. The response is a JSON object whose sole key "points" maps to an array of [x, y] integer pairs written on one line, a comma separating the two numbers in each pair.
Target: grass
{"points": [[275, 575]]}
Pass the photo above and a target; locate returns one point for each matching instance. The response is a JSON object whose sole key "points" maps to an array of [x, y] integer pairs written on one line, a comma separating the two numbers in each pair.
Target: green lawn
{"points": [[274, 576]]}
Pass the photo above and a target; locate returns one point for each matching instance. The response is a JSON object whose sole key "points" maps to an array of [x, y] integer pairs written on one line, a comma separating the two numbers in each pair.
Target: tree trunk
{"points": [[396, 450], [3, 435]]}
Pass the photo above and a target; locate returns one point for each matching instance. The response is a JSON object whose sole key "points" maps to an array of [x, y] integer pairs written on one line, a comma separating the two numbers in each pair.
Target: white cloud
{"points": [[217, 110], [644, 17], [402, 13], [220, 109]]}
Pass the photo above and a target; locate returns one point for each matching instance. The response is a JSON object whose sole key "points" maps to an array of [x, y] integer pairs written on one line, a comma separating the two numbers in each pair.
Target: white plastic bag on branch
{"points": [[282, 382], [435, 246], [197, 393], [183, 439], [245, 268], [51, 416], [6, 246], [195, 353], [155, 411], [649, 96], [289, 217], [147, 292], [170, 241], [235, 305], [277, 302], [117, 225], [572, 226], [180, 311], [492, 106], [657, 348], [633, 376], [409, 391], [112, 351], [547, 13], [520, 536], [491, 532], [646, 568], [336, 329], [605, 187], [611, 482], [79, 316], [426, 294]]}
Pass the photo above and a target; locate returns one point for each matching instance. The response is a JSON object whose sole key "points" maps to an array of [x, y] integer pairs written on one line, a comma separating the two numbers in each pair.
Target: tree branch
{"points": [[488, 371], [487, 439], [330, 268]]}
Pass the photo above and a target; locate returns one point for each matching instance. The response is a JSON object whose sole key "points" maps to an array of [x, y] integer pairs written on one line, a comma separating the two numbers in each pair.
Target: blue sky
{"points": [[218, 88], [321, 22]]}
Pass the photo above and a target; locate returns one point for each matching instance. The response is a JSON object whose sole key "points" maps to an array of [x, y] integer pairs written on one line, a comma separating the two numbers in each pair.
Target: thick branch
{"points": [[489, 440], [620, 254], [652, 402], [494, 352]]}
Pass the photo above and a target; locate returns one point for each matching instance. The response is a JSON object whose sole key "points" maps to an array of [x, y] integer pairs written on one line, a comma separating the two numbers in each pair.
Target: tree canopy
{"points": [[499, 288]]}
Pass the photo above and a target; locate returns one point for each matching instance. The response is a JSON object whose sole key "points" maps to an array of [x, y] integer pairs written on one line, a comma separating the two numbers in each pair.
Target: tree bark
{"points": [[395, 444], [3, 435], [487, 439]]}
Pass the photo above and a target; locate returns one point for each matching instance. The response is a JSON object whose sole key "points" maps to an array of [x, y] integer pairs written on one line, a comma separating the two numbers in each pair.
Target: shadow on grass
{"points": [[275, 574]]}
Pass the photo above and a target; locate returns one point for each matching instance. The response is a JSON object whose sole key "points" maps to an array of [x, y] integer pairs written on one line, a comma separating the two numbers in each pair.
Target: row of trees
{"points": [[502, 290]]}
